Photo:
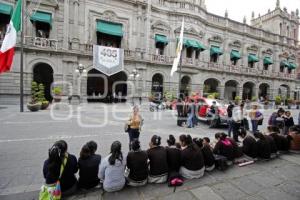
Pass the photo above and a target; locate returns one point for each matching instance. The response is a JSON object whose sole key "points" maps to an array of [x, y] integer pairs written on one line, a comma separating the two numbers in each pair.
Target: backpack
{"points": [[53, 192], [175, 180]]}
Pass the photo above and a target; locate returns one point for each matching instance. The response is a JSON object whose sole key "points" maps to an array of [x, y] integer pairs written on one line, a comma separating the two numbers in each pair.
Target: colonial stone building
{"points": [[219, 55]]}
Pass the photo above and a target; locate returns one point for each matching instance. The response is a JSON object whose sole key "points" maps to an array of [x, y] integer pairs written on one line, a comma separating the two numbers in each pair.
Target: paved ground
{"points": [[26, 137]]}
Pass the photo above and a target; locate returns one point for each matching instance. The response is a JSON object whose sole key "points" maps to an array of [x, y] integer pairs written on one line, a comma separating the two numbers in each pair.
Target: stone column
{"points": [[221, 91], [66, 25], [240, 91], [75, 31]]}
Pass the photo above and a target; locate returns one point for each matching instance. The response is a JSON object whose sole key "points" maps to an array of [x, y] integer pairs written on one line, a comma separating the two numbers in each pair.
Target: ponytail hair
{"points": [[156, 140], [85, 152], [54, 161], [259, 135], [116, 153]]}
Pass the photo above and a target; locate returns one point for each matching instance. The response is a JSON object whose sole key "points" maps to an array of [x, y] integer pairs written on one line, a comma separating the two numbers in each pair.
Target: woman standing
{"points": [[255, 116], [135, 123], [112, 168]]}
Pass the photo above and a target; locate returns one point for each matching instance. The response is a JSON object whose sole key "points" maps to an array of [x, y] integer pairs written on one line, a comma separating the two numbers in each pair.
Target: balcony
{"points": [[43, 43], [162, 59]]}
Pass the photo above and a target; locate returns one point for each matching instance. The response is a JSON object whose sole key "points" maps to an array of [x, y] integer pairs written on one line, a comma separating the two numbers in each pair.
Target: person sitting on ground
{"points": [[294, 137], [158, 164], [192, 163], [88, 164], [137, 165], [281, 141], [274, 149], [263, 146], [237, 150], [249, 143], [208, 156], [224, 147], [112, 167], [173, 155], [58, 156]]}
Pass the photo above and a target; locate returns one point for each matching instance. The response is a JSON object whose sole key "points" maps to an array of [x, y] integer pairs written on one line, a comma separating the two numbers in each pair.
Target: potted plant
{"points": [[41, 97], [278, 101], [34, 105], [56, 91], [216, 95], [237, 99], [253, 99]]}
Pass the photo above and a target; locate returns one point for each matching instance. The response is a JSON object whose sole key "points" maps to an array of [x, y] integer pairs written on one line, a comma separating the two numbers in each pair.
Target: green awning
{"points": [[252, 58], [110, 28], [6, 9], [161, 39], [215, 50], [268, 61], [292, 66], [43, 17], [193, 43], [284, 63], [235, 55]]}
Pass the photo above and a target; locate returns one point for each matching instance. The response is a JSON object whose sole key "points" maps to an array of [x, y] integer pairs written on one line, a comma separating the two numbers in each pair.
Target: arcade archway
{"points": [[211, 86], [157, 88], [43, 73], [231, 89], [264, 90], [248, 90], [185, 87], [103, 88]]}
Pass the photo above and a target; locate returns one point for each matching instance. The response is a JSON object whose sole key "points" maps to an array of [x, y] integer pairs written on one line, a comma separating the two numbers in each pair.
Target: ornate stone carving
{"points": [[268, 51], [253, 48], [216, 38], [161, 26], [109, 15], [236, 44]]}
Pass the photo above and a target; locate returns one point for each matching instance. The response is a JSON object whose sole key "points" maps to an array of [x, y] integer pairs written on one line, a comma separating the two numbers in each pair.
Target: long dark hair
{"points": [[56, 155], [116, 153], [187, 140], [85, 152], [259, 135]]}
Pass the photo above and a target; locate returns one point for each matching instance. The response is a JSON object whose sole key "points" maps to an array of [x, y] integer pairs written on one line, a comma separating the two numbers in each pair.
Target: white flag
{"points": [[178, 50]]}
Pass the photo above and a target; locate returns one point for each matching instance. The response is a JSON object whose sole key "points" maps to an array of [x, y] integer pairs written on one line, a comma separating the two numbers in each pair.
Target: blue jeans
{"points": [[133, 134], [254, 125], [190, 120]]}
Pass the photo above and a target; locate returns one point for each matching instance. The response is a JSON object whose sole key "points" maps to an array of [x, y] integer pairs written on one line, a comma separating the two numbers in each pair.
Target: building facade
{"points": [[219, 55]]}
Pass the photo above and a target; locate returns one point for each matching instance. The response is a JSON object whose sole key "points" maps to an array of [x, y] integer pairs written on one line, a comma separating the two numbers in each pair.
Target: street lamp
{"points": [[135, 74]]}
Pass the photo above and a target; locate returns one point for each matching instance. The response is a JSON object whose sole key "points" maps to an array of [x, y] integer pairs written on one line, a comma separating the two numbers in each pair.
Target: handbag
{"points": [[53, 191], [126, 127]]}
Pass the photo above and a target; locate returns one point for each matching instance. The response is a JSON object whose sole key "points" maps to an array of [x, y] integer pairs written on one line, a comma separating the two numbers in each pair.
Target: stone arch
{"points": [[157, 85], [231, 89], [43, 73], [33, 62], [211, 85], [249, 90], [264, 90], [185, 85], [284, 91]]}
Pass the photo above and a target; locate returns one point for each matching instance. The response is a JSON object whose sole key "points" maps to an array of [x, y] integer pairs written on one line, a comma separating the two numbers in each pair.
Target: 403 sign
{"points": [[108, 60]]}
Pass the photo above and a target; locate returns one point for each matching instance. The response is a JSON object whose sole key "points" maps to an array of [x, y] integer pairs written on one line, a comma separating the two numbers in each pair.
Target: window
{"points": [[251, 64], [197, 56], [108, 40], [189, 52], [4, 21], [289, 70], [234, 62], [42, 30], [214, 58], [266, 67], [281, 68], [280, 28], [159, 48]]}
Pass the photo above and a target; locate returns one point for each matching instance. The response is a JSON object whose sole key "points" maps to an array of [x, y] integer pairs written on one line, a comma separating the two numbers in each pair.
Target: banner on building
{"points": [[108, 60]]}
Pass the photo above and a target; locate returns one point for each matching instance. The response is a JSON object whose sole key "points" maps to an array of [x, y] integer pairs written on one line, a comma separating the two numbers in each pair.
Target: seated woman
{"points": [[137, 165], [249, 144], [281, 141], [59, 156], [112, 168], [158, 164], [192, 163], [173, 157], [294, 137], [224, 147], [263, 146], [208, 156], [88, 164], [273, 145]]}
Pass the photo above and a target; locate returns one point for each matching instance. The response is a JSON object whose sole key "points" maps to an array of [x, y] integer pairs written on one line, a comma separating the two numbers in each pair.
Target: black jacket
{"points": [[272, 143], [263, 149], [281, 141], [192, 158], [208, 156], [224, 150], [158, 160], [249, 146], [137, 164], [68, 178], [88, 171], [174, 158]]}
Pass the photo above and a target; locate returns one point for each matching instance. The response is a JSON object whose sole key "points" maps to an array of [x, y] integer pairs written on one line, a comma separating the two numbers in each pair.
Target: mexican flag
{"points": [[9, 42]]}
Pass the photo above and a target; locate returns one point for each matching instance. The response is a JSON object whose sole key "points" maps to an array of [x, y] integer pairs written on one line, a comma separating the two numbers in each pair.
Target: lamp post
{"points": [[80, 69], [135, 74]]}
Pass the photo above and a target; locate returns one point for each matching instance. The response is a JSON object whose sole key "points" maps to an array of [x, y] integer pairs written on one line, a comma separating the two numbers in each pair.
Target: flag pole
{"points": [[179, 74], [21, 59]]}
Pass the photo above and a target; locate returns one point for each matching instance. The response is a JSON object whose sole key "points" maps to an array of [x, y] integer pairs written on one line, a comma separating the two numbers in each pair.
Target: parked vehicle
{"points": [[157, 105]]}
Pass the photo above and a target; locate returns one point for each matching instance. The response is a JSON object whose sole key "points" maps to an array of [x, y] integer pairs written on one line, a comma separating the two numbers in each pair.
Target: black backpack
{"points": [[221, 162]]}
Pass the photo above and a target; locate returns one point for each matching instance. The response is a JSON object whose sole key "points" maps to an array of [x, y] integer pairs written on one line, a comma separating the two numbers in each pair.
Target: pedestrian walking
{"points": [[230, 121], [180, 112], [256, 117], [135, 123], [191, 114], [288, 122], [237, 117]]}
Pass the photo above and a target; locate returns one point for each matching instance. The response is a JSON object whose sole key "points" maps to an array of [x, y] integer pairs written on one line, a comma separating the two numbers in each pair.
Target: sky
{"points": [[237, 9]]}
